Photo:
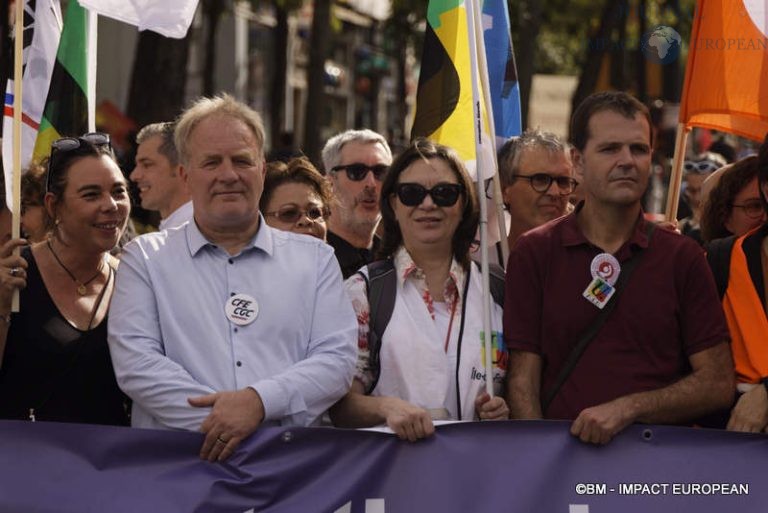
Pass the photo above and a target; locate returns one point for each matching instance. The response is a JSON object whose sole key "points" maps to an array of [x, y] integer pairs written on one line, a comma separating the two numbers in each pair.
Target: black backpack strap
{"points": [[382, 291], [719, 258], [496, 275], [594, 328]]}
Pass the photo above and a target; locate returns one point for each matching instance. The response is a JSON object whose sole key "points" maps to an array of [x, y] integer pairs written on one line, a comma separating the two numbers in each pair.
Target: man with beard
{"points": [[537, 178], [355, 162], [654, 343]]}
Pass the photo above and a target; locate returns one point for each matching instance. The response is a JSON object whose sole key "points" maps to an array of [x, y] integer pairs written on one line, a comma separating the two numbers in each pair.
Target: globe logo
{"points": [[661, 45]]}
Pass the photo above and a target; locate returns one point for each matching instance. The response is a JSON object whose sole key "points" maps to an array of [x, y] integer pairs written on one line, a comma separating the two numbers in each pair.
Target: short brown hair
{"points": [[614, 101], [424, 149], [296, 170], [719, 203]]}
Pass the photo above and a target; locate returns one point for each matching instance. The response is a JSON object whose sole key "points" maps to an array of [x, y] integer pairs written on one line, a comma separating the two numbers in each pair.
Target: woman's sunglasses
{"points": [[291, 214], [67, 144], [443, 195]]}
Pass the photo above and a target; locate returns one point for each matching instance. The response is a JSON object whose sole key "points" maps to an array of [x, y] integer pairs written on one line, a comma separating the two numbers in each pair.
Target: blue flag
{"points": [[502, 72]]}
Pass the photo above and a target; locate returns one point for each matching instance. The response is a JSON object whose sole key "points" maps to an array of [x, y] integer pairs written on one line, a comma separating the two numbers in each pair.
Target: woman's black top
{"points": [[60, 372]]}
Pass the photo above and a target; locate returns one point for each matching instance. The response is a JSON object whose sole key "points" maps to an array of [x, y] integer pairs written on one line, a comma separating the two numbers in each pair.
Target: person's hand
{"points": [[599, 424], [670, 226], [234, 416], [13, 272], [750, 415], [491, 408], [409, 422]]}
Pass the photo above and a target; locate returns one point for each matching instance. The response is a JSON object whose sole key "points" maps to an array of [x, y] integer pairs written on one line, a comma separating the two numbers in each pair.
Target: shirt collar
{"points": [[407, 269], [572, 235], [263, 240], [180, 214]]}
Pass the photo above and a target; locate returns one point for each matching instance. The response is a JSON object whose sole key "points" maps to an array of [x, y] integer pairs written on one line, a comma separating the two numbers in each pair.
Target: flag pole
{"points": [[470, 6], [676, 174], [18, 57], [90, 52], [499, 201]]}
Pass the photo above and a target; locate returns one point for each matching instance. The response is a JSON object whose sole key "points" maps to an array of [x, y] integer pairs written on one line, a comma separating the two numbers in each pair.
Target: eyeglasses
{"points": [[753, 209], [290, 214], [67, 144], [704, 166], [443, 194], [540, 182], [358, 171]]}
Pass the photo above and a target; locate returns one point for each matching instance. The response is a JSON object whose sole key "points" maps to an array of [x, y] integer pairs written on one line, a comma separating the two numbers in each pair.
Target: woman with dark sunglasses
{"points": [[296, 197], [54, 360], [429, 364]]}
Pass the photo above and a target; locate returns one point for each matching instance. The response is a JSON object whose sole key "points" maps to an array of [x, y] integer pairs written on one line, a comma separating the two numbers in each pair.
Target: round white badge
{"points": [[241, 309], [606, 267]]}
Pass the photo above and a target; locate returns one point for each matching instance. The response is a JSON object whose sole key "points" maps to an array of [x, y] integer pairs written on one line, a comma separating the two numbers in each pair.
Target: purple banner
{"points": [[510, 467]]}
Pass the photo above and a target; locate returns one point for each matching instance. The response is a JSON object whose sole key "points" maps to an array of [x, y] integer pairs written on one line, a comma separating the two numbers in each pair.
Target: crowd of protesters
{"points": [[274, 293]]}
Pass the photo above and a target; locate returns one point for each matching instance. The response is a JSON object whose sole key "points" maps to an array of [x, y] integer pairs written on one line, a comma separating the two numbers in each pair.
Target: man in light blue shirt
{"points": [[225, 324]]}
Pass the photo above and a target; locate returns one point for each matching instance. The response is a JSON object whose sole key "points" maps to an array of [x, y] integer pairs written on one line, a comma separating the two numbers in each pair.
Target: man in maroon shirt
{"points": [[662, 355]]}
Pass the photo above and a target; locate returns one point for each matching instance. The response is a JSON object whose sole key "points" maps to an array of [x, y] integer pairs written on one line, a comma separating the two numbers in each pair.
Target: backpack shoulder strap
{"points": [[719, 258], [496, 275], [382, 291]]}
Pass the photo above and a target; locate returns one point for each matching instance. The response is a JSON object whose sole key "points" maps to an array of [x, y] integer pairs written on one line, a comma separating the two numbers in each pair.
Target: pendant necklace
{"points": [[81, 286]]}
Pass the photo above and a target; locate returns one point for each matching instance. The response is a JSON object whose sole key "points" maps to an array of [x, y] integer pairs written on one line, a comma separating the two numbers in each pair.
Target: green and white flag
{"points": [[68, 106]]}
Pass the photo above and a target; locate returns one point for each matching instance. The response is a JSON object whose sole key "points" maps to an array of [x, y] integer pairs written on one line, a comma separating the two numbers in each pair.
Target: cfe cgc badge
{"points": [[605, 270], [241, 309]]}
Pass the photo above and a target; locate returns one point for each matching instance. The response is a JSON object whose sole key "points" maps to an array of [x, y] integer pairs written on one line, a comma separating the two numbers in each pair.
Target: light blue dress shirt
{"points": [[170, 337]]}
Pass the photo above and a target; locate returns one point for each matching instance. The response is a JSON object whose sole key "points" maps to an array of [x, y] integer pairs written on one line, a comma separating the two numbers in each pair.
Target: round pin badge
{"points": [[606, 267], [241, 309]]}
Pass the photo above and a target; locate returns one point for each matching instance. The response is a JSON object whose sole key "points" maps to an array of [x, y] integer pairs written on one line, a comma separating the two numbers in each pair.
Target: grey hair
{"points": [[165, 131], [510, 153], [331, 154], [220, 105]]}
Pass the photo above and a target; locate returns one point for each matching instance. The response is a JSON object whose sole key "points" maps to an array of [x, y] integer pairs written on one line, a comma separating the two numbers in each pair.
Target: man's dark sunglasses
{"points": [[358, 171], [443, 195], [67, 144], [291, 214], [540, 182]]}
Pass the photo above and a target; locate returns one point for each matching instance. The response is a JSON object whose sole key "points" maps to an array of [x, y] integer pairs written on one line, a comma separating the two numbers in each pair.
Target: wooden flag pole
{"points": [[17, 113], [676, 174]]}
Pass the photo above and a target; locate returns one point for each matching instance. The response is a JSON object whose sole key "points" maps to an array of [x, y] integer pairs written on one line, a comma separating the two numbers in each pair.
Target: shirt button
{"points": [[231, 261], [239, 364], [231, 294], [235, 330]]}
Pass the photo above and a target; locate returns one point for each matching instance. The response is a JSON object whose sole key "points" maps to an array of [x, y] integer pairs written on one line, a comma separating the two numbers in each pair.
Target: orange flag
{"points": [[726, 78]]}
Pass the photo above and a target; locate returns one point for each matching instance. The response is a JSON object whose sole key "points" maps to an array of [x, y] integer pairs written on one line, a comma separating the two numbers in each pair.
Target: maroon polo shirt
{"points": [[668, 311]]}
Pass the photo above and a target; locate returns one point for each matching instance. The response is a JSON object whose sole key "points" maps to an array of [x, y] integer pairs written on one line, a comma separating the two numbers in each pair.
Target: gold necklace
{"points": [[81, 286]]}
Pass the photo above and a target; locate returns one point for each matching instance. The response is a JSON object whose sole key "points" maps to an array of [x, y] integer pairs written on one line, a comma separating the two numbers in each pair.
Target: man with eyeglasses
{"points": [[536, 179], [355, 162], [226, 324], [608, 320]]}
